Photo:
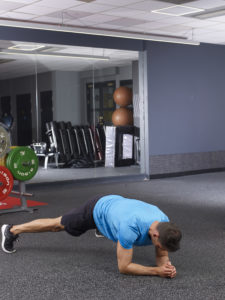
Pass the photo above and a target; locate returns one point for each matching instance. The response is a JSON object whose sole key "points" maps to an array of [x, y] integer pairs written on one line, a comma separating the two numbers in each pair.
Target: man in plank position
{"points": [[128, 222]]}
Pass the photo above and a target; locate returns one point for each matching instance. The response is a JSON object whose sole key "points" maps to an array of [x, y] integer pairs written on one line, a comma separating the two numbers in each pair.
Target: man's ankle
{"points": [[12, 230]]}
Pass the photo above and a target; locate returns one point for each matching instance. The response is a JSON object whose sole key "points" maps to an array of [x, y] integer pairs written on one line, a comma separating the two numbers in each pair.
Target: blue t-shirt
{"points": [[126, 220]]}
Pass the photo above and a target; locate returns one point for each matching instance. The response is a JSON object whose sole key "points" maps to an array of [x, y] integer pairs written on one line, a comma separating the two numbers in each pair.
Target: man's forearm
{"points": [[166, 270], [136, 269], [162, 257], [162, 260]]}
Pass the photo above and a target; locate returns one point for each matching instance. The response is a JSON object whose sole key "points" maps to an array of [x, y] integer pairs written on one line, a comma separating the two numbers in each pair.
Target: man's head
{"points": [[169, 236]]}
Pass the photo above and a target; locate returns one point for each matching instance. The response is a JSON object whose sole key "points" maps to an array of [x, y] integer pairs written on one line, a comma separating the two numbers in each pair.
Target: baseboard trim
{"points": [[186, 173], [90, 181]]}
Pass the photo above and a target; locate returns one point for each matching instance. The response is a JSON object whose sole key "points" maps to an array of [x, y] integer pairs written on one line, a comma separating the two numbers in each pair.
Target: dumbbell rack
{"points": [[22, 195]]}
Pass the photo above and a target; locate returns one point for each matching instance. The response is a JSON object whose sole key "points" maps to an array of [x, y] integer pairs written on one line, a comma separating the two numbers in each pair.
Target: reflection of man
{"points": [[7, 120], [128, 222]]}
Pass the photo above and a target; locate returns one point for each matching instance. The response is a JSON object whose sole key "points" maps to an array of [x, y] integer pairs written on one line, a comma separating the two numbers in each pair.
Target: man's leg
{"points": [[10, 233], [39, 225], [75, 222]]}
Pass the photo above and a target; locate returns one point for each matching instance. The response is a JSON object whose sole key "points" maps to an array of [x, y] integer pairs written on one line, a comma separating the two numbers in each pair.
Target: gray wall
{"points": [[186, 105], [68, 38], [186, 98]]}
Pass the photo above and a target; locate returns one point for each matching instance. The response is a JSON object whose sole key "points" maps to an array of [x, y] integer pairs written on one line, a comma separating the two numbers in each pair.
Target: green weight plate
{"points": [[8, 158], [5, 141], [7, 161], [23, 163]]}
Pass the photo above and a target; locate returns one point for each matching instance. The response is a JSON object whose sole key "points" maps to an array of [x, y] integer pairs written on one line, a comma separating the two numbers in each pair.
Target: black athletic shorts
{"points": [[79, 220]]}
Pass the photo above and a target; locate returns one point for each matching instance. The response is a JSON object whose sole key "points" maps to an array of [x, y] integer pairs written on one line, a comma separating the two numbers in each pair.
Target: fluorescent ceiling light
{"points": [[26, 47], [98, 32], [177, 10], [61, 55], [87, 1], [210, 14]]}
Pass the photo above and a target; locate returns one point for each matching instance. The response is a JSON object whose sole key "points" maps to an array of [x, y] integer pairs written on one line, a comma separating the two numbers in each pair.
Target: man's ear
{"points": [[156, 233]]}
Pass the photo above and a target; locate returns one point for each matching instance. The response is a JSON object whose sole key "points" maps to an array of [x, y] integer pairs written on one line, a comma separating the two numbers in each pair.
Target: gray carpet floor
{"points": [[58, 266]]}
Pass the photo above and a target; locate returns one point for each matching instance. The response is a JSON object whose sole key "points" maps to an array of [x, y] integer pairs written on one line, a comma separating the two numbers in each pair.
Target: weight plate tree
{"points": [[5, 141], [23, 163], [6, 182]]}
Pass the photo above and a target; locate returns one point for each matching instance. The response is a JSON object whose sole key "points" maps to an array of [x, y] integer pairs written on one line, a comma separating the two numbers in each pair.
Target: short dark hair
{"points": [[169, 236]]}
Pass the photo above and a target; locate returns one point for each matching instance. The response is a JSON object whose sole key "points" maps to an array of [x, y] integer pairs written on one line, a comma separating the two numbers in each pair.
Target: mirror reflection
{"points": [[78, 107]]}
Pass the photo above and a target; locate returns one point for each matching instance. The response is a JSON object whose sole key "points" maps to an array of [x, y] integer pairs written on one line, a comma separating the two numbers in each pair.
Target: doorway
{"points": [[24, 119], [46, 112], [103, 106]]}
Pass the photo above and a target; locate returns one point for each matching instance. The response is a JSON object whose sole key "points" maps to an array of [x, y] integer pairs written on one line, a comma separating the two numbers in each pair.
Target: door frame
{"points": [[144, 115]]}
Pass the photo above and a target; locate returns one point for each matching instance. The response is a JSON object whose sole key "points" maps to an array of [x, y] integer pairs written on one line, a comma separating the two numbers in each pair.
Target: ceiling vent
{"points": [[86, 1], [210, 13], [177, 2], [51, 49], [178, 10]]}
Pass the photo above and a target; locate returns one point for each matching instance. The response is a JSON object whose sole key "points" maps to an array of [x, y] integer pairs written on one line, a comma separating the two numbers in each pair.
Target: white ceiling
{"points": [[134, 16], [150, 17]]}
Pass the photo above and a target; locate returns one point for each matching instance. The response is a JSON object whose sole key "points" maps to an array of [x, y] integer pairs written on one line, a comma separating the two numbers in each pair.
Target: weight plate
{"points": [[23, 163], [8, 159], [6, 182], [5, 141], [3, 160], [8, 155]]}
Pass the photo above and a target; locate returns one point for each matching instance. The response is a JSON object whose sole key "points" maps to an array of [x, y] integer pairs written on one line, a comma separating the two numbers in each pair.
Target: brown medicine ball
{"points": [[123, 96], [122, 117]]}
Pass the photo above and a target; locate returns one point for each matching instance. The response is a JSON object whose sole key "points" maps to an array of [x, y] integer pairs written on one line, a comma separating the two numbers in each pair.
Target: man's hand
{"points": [[125, 265], [167, 270]]}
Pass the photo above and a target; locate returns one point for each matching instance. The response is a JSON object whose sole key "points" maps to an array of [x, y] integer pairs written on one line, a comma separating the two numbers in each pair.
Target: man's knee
{"points": [[57, 226]]}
